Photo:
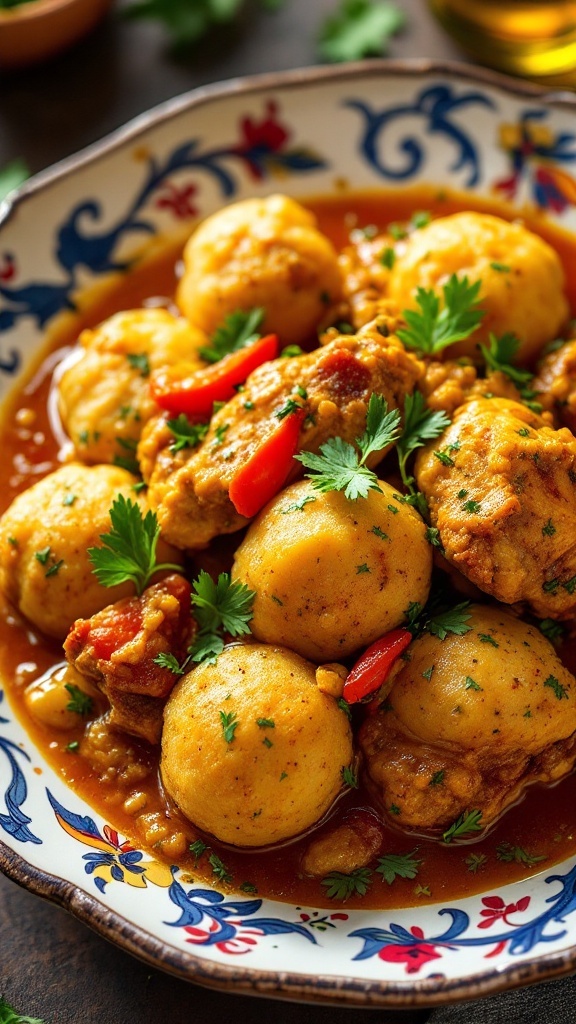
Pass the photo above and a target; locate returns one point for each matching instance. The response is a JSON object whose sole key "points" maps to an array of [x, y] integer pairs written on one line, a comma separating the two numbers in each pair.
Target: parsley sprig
{"points": [[220, 608], [421, 425], [500, 355], [469, 821], [238, 330], [339, 467], [340, 886], [129, 549], [433, 327], [398, 865], [186, 434], [437, 620]]}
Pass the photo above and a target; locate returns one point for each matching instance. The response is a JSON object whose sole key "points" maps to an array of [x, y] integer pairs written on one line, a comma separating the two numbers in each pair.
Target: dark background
{"points": [[51, 966]]}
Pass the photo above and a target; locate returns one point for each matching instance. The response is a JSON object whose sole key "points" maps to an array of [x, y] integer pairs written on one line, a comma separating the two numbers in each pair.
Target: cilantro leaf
{"points": [[359, 28], [452, 621], [431, 328], [508, 854], [238, 330], [340, 886], [398, 865], [469, 821], [13, 174], [186, 434], [340, 468], [129, 550], [222, 607], [80, 702], [8, 1015], [166, 660]]}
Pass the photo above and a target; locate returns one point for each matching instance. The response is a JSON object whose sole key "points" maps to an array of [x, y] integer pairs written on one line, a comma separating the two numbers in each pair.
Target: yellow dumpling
{"points": [[260, 252], [252, 750], [332, 575]]}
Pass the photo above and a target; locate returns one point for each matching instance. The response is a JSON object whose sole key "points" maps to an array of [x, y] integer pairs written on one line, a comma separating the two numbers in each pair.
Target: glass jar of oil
{"points": [[535, 38]]}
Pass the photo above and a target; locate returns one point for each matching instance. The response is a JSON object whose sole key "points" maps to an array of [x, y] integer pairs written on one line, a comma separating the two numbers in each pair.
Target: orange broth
{"points": [[542, 824]]}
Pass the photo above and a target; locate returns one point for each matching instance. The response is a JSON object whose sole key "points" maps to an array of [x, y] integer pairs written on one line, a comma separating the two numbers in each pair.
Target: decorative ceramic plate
{"points": [[305, 133]]}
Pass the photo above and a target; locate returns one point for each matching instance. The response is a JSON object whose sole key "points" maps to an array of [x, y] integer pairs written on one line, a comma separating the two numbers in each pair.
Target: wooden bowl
{"points": [[31, 32]]}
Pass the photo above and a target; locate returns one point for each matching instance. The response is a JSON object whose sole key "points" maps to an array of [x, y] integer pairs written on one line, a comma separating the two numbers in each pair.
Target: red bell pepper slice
{"points": [[373, 668], [262, 476], [196, 394]]}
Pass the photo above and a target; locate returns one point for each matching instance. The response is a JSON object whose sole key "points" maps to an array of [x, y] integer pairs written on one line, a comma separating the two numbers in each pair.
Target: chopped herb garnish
{"points": [[485, 638], [474, 861], [523, 432], [471, 506], [230, 723], [431, 328], [394, 809], [388, 257], [509, 854], [265, 723], [198, 848], [438, 778], [420, 219], [362, 569], [79, 702], [54, 569], [186, 434], [340, 886], [433, 537], [267, 743], [551, 629], [398, 865], [71, 748], [462, 494], [452, 621], [139, 361], [291, 351], [222, 607], [166, 660], [297, 506], [43, 555], [238, 330], [427, 674], [345, 707], [469, 821], [283, 775], [219, 434], [549, 529], [13, 541], [69, 499], [290, 406], [349, 777], [339, 467], [560, 691], [129, 550], [444, 458], [276, 599], [471, 684], [422, 890], [219, 870], [248, 887], [502, 268]]}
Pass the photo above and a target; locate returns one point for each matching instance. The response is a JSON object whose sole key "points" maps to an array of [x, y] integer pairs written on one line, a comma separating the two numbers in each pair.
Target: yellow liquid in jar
{"points": [[526, 37]]}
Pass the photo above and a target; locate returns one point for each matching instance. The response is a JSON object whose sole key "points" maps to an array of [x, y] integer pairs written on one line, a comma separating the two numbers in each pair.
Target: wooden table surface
{"points": [[51, 966]]}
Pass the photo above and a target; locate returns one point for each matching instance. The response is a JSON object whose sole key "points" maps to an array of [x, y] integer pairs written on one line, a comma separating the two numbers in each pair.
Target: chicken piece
{"points": [[555, 383], [349, 846], [260, 252], [103, 397], [503, 496], [470, 722], [116, 650], [365, 278], [446, 386], [522, 278], [189, 491], [45, 534]]}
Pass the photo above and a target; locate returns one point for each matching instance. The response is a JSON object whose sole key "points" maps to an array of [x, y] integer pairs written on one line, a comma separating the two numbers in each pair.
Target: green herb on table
{"points": [[12, 175], [219, 608], [340, 886], [238, 330], [433, 327], [8, 1015], [129, 550], [339, 467], [359, 28]]}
